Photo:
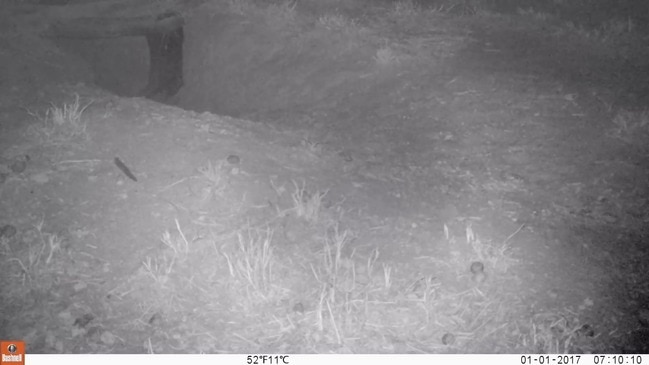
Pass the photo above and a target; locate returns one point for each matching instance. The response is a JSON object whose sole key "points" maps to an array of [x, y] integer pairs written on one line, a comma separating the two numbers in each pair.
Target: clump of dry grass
{"points": [[313, 148], [496, 257], [216, 177], [557, 333], [281, 15], [411, 8], [464, 7], [252, 263], [386, 56], [535, 14], [630, 127], [609, 31], [404, 8], [278, 15], [160, 268], [38, 257], [307, 205], [240, 7], [34, 268], [336, 276], [61, 124], [335, 22]]}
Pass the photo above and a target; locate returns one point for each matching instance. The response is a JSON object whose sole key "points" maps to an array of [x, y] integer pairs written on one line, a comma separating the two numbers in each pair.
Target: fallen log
{"points": [[97, 27], [164, 35]]}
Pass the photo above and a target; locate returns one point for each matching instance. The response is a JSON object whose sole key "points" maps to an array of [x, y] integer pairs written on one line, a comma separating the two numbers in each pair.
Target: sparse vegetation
{"points": [[335, 21], [252, 264], [558, 333], [216, 176], [404, 8], [473, 203], [631, 127], [282, 15], [307, 204], [61, 124], [386, 56]]}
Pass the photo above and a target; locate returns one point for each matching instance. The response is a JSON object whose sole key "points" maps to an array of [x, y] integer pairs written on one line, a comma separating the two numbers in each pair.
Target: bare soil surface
{"points": [[334, 177]]}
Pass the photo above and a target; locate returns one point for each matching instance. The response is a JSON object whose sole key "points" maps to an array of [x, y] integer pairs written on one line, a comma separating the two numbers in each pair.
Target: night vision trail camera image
{"points": [[270, 178]]}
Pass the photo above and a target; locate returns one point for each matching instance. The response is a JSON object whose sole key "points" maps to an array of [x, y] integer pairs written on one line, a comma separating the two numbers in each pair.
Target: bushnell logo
{"points": [[13, 352]]}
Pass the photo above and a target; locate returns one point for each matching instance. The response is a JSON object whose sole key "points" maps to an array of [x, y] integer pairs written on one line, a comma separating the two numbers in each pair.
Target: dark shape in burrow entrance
{"points": [[165, 61]]}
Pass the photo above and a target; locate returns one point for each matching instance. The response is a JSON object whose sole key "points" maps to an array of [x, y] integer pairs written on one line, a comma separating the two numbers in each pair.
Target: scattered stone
{"points": [[8, 231], [477, 267], [83, 320], [18, 166], [298, 307], [233, 160], [108, 338], [586, 331], [155, 319], [448, 339]]}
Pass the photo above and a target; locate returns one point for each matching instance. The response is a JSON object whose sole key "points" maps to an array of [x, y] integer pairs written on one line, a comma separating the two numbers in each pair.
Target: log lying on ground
{"points": [[93, 28], [164, 35]]}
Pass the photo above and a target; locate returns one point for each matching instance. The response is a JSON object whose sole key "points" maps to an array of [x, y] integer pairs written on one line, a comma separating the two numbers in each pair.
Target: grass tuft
{"points": [[307, 205], [61, 124], [253, 262]]}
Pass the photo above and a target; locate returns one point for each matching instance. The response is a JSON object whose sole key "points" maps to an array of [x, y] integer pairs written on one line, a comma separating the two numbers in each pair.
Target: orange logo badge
{"points": [[12, 352]]}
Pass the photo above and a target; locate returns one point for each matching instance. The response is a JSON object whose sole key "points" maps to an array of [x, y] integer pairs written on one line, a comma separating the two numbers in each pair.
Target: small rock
{"points": [[18, 166], [108, 338], [8, 231], [448, 339], [155, 319], [233, 159], [298, 307], [586, 331], [477, 267], [83, 321]]}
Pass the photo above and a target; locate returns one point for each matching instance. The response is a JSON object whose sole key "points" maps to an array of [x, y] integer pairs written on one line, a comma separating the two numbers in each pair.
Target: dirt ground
{"points": [[334, 177]]}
